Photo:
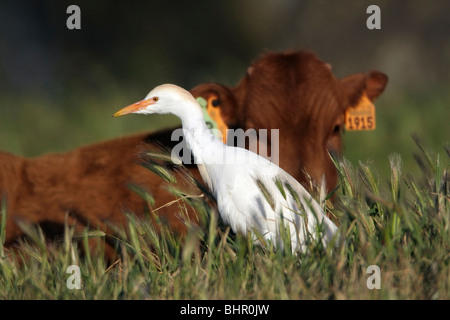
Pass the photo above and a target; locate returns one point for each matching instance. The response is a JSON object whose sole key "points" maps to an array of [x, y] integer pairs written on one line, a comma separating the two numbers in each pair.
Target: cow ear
{"points": [[371, 83], [219, 96]]}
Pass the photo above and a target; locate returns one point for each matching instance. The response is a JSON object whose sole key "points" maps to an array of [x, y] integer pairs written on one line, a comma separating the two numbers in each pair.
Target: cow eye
{"points": [[337, 129], [215, 103]]}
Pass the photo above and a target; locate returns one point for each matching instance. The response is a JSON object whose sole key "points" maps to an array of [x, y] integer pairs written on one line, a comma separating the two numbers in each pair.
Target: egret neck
{"points": [[205, 147]]}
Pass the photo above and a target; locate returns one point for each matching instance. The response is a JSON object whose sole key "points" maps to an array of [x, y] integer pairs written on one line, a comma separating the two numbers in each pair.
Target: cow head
{"points": [[296, 93]]}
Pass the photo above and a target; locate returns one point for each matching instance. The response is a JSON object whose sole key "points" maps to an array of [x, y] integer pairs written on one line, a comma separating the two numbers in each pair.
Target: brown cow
{"points": [[294, 92], [297, 94]]}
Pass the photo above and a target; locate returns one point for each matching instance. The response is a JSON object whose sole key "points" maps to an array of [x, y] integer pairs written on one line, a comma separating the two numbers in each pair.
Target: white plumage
{"points": [[235, 176]]}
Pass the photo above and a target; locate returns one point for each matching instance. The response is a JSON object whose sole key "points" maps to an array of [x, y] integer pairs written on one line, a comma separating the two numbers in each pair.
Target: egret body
{"points": [[235, 176]]}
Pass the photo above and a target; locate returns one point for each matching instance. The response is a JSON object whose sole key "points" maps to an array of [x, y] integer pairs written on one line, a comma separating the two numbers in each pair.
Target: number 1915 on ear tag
{"points": [[361, 117]]}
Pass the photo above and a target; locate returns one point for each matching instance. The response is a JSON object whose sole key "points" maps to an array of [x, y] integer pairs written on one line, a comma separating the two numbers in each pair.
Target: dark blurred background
{"points": [[59, 87]]}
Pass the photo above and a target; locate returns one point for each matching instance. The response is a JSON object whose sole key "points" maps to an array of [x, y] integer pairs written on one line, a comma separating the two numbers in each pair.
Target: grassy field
{"points": [[402, 227], [393, 208]]}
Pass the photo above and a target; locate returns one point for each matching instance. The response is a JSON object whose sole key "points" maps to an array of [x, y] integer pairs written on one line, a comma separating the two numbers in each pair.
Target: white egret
{"points": [[252, 193]]}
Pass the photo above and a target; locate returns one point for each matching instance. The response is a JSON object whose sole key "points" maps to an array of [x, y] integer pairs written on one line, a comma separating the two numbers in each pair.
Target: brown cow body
{"points": [[91, 184], [293, 92]]}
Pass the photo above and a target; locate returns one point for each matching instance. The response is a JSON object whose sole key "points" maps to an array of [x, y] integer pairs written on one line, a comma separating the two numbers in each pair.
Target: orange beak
{"points": [[134, 107]]}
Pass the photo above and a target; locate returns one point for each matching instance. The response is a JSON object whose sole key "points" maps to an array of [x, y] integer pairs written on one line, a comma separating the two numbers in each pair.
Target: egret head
{"points": [[163, 99]]}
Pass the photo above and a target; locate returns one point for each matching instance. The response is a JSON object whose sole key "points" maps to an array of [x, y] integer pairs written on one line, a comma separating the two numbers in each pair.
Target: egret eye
{"points": [[155, 99]]}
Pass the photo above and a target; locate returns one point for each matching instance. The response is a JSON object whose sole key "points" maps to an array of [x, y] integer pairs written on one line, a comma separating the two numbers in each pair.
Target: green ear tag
{"points": [[210, 123]]}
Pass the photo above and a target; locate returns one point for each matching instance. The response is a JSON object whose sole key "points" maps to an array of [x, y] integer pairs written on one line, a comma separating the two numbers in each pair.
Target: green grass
{"points": [[400, 225]]}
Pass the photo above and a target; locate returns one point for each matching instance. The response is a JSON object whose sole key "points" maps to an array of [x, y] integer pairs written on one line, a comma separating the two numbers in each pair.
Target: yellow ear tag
{"points": [[361, 117], [214, 113]]}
